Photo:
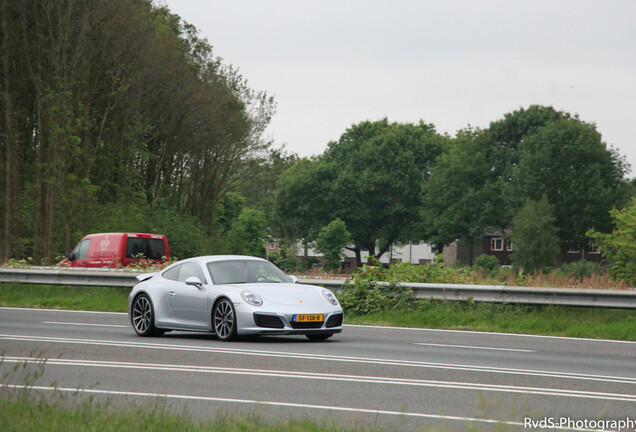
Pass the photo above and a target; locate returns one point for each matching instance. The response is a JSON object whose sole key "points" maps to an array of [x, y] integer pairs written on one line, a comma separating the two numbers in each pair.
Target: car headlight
{"points": [[331, 297], [251, 298]]}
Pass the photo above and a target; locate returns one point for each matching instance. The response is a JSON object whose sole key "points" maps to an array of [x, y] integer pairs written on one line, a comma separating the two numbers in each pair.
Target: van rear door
{"points": [[145, 246]]}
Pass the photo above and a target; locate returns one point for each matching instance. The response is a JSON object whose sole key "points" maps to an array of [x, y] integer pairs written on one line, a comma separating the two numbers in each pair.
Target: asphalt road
{"points": [[394, 378]]}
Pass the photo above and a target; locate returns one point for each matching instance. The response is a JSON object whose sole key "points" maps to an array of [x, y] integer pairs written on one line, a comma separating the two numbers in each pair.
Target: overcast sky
{"points": [[333, 63]]}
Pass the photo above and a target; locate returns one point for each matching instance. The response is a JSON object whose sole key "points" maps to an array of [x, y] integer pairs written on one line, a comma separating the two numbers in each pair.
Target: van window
{"points": [[145, 248], [82, 249]]}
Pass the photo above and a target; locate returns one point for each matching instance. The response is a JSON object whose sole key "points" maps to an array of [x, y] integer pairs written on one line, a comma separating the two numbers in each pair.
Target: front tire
{"points": [[224, 320], [143, 317]]}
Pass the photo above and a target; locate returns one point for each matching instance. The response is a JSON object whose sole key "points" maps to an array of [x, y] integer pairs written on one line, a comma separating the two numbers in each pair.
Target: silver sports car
{"points": [[231, 296]]}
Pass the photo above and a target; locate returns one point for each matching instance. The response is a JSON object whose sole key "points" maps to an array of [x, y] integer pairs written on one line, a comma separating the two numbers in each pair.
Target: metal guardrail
{"points": [[624, 299], [67, 276]]}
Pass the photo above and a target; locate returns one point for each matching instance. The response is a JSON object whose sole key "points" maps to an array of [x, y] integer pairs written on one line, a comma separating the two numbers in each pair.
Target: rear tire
{"points": [[143, 317]]}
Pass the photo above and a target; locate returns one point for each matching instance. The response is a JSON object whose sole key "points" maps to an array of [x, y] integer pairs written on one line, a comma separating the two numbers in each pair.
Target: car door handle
{"points": [[172, 294]]}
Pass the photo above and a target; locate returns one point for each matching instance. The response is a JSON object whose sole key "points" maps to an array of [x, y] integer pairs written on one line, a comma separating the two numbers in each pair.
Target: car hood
{"points": [[286, 294]]}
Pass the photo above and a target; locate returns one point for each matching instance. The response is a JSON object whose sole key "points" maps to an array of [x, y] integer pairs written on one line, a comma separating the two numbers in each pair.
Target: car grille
{"points": [[269, 321], [306, 325], [334, 320]]}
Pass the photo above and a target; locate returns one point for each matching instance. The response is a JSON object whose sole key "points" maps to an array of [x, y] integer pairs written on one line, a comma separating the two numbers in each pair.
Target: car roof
{"points": [[210, 258]]}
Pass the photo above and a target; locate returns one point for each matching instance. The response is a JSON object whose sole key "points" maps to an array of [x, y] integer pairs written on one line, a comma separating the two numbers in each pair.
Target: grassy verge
{"points": [[107, 299], [30, 412], [581, 322], [544, 320]]}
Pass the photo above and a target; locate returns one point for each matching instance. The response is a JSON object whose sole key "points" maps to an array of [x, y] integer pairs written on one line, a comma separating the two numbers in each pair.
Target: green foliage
{"points": [[461, 198], [370, 179], [365, 296], [615, 324], [147, 114], [229, 208], [25, 409], [300, 207], [536, 244], [567, 162], [408, 272], [376, 288], [287, 260], [64, 297], [186, 235], [619, 246], [483, 178], [579, 270], [248, 233], [488, 264], [330, 242]]}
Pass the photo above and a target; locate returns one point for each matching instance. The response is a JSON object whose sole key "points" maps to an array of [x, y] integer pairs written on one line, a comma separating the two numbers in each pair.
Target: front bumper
{"points": [[267, 322]]}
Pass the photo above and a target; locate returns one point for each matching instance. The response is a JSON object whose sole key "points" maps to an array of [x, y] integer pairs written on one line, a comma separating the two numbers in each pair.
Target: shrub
{"points": [[366, 296], [579, 270], [488, 264]]}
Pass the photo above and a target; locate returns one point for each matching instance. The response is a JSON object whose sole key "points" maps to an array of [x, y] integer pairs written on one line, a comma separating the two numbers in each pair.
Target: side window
{"points": [[82, 249], [191, 269], [156, 249], [135, 248], [173, 273]]}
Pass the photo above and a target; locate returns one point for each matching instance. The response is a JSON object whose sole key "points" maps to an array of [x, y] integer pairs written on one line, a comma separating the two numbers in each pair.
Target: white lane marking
{"points": [[327, 357], [482, 333], [61, 310], [474, 347], [333, 377], [84, 324], [278, 404], [377, 327]]}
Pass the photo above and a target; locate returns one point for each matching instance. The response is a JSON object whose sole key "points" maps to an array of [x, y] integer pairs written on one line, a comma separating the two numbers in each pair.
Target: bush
{"points": [[619, 246], [488, 264], [367, 296], [420, 273], [580, 270], [287, 261]]}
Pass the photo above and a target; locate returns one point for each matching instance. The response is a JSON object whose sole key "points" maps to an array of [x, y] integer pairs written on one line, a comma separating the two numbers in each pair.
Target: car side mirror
{"points": [[294, 279], [194, 281]]}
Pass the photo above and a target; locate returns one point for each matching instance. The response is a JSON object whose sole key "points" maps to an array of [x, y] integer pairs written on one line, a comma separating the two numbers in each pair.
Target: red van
{"points": [[118, 250]]}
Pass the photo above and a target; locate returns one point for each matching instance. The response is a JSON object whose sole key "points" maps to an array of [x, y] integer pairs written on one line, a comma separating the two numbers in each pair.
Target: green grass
{"points": [[543, 320], [33, 412], [619, 324], [107, 299]]}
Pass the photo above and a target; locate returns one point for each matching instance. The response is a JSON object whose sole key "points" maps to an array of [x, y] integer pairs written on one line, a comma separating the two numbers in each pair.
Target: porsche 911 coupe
{"points": [[231, 296]]}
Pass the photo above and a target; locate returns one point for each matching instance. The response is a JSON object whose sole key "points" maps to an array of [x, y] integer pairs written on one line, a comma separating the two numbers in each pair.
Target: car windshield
{"points": [[245, 271]]}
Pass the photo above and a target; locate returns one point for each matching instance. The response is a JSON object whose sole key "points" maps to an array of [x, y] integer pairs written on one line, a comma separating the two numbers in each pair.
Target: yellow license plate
{"points": [[308, 318]]}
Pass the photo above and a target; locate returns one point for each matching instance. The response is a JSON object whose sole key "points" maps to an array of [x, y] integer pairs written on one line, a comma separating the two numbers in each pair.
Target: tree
{"points": [[103, 103], [370, 179], [619, 246], [461, 199], [567, 162], [330, 242], [534, 236], [506, 135], [248, 233], [379, 168], [301, 201], [258, 181]]}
